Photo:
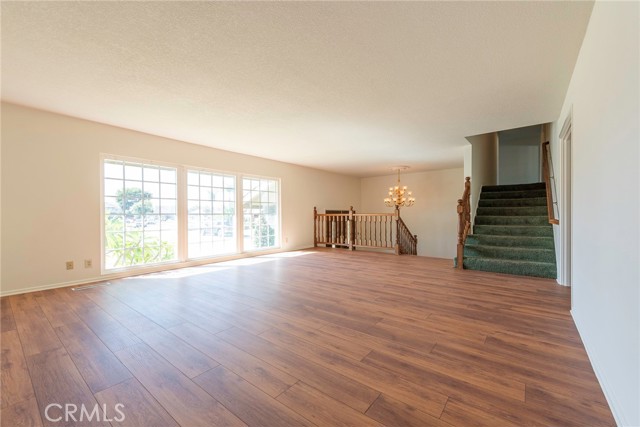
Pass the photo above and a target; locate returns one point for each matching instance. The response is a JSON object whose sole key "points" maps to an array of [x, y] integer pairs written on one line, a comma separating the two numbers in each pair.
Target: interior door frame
{"points": [[566, 140]]}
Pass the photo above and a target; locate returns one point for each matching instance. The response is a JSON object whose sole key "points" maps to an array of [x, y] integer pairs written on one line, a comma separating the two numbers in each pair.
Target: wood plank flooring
{"points": [[321, 337]]}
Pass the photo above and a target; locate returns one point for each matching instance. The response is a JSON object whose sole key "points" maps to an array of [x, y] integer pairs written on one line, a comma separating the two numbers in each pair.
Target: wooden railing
{"points": [[550, 183], [464, 220], [408, 243], [354, 230]]}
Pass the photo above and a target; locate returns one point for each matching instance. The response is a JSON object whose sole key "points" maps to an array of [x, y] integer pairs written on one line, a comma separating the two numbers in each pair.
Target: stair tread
{"points": [[511, 248], [512, 261]]}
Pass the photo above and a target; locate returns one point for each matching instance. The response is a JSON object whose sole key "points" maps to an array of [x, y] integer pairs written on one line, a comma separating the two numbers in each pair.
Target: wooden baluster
{"points": [[315, 227]]}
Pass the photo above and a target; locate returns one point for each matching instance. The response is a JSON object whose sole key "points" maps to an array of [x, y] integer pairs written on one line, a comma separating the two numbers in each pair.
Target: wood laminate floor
{"points": [[324, 338]]}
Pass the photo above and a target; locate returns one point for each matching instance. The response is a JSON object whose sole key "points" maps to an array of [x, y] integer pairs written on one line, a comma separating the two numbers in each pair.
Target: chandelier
{"points": [[399, 196]]}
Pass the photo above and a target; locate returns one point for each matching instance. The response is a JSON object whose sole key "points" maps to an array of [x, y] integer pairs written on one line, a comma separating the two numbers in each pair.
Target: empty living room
{"points": [[287, 213]]}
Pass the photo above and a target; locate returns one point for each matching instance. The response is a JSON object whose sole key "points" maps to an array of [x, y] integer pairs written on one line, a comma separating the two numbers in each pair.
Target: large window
{"points": [[155, 213], [260, 203], [211, 205], [140, 202]]}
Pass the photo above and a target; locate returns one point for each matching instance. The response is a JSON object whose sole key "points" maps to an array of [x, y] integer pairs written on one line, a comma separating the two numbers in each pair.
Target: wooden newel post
{"points": [[460, 248], [351, 229], [315, 227], [397, 216]]}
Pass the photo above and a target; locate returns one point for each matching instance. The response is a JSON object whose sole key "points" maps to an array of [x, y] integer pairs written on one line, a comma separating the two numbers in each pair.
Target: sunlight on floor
{"points": [[215, 267]]}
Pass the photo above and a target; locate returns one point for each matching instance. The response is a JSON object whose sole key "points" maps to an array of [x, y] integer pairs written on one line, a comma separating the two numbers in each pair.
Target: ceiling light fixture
{"points": [[399, 196]]}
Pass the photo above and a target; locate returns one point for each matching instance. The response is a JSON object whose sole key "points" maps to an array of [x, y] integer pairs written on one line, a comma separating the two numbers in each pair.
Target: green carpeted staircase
{"points": [[511, 232]]}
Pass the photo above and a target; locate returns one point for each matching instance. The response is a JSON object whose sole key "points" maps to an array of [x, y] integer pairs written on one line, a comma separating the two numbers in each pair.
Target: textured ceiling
{"points": [[351, 87]]}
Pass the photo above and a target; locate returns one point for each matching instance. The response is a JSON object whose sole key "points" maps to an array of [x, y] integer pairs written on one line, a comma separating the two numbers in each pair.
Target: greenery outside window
{"points": [[140, 214]]}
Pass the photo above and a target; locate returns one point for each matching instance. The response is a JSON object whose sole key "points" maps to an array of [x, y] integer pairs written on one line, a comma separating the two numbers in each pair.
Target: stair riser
{"points": [[517, 187], [534, 201], [524, 254], [513, 220], [511, 211], [511, 230], [511, 241], [496, 266], [512, 194]]}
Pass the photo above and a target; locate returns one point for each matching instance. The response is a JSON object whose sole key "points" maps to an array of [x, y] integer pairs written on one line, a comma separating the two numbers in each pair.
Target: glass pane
{"points": [[167, 175], [273, 186], [168, 191], [193, 206], [217, 194], [154, 206], [168, 222], [193, 178], [205, 193], [112, 206], [205, 179], [112, 187], [133, 171], [193, 192], [229, 181], [151, 174], [193, 222], [168, 206], [151, 222], [113, 169], [230, 194], [217, 181], [152, 188]]}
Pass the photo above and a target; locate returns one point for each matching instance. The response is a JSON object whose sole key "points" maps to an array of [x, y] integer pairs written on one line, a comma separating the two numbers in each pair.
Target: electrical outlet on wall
{"points": [[69, 265], [88, 263]]}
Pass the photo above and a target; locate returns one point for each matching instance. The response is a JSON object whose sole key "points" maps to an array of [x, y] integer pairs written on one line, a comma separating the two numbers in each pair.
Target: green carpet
{"points": [[511, 232]]}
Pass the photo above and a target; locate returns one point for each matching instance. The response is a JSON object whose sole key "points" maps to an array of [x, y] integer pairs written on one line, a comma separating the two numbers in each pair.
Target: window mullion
{"points": [[182, 214]]}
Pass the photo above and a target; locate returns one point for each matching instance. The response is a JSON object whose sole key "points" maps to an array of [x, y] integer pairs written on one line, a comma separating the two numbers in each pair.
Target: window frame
{"points": [[182, 256], [278, 233]]}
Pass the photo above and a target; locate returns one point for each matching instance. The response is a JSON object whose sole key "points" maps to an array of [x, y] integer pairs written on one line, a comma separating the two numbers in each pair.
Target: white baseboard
{"points": [[153, 269]]}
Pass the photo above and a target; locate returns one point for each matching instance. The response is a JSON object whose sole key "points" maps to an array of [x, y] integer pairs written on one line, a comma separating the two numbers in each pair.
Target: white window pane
{"points": [[112, 187], [205, 193], [193, 178], [153, 188], [113, 169], [193, 206], [151, 174], [205, 179], [168, 175], [193, 192], [217, 181], [133, 171], [168, 206], [168, 191]]}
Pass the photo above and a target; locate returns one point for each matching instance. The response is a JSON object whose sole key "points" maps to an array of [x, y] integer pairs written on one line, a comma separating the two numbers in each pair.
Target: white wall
{"points": [[484, 165], [433, 218], [51, 192], [604, 95], [519, 161]]}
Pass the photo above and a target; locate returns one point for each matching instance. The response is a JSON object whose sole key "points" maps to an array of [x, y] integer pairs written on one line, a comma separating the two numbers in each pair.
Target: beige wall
{"points": [[433, 217], [51, 192], [603, 101]]}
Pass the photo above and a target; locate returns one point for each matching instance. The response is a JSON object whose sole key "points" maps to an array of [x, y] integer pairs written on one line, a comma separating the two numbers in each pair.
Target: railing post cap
{"points": [[468, 178]]}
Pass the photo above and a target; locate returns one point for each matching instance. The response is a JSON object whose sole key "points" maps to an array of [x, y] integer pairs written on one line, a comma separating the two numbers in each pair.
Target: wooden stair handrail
{"points": [[407, 242], [364, 230], [464, 220], [546, 172]]}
